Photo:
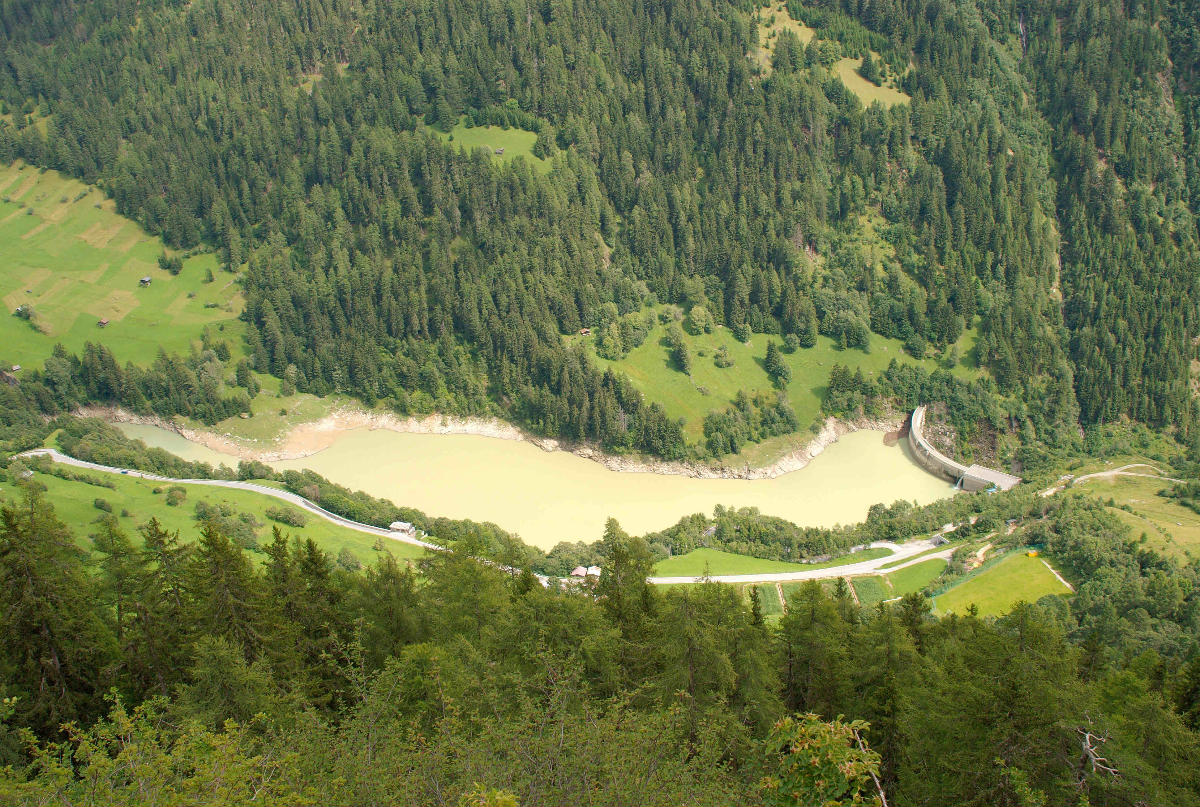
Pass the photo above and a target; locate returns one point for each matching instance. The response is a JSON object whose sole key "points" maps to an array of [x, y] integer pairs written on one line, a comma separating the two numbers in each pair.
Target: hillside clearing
{"points": [[504, 145], [710, 388], [1169, 527], [67, 255]]}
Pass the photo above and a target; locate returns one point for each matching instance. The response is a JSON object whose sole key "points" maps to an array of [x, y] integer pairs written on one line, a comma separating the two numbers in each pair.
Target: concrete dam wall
{"points": [[972, 477]]}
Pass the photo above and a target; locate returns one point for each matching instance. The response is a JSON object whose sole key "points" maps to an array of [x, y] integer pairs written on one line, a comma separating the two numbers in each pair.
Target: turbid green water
{"points": [[549, 497], [176, 444]]}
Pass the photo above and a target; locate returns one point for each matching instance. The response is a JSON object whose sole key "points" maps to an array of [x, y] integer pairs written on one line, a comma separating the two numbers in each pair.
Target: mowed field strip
{"points": [[67, 255]]}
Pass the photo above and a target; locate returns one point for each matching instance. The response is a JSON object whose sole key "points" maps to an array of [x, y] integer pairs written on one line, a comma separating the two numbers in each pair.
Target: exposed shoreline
{"points": [[306, 439]]}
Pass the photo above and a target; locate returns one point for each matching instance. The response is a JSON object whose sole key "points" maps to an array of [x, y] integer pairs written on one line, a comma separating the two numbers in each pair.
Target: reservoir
{"points": [[547, 497]]}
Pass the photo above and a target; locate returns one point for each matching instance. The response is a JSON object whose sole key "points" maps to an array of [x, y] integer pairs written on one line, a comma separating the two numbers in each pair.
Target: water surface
{"points": [[549, 497]]}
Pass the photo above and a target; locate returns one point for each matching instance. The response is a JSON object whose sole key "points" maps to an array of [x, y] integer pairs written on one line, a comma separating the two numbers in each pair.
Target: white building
{"points": [[404, 528]]}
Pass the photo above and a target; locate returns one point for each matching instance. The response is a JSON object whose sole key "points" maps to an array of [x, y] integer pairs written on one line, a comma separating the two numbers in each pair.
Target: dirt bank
{"points": [[305, 439]]}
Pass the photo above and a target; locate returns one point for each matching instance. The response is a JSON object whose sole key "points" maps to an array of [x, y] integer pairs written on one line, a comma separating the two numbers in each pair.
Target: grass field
{"points": [[68, 255], [515, 142], [1015, 578], [710, 388], [714, 561], [73, 502], [914, 578], [1170, 527]]}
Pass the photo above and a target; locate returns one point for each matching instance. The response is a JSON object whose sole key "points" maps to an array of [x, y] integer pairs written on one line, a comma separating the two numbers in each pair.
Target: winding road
{"points": [[283, 495]]}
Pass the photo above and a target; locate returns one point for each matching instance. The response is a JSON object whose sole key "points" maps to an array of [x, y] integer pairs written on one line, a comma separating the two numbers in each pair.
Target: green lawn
{"points": [[73, 502], [1170, 528], [1015, 578], [515, 142], [273, 416], [710, 388], [915, 577], [68, 255], [714, 562]]}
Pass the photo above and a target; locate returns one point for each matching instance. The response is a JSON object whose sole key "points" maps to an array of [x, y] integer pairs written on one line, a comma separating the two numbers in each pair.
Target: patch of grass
{"points": [[1170, 528], [710, 388], [694, 564], [915, 577], [870, 590], [768, 597], [514, 142], [66, 253], [868, 93], [771, 20], [73, 502], [775, 18], [1013, 579], [273, 415]]}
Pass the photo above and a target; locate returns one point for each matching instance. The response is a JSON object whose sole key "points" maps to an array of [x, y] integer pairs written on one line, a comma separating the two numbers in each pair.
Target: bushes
{"points": [[287, 515]]}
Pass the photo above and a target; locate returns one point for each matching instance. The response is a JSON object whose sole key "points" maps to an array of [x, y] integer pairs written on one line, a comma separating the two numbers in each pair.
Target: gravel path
{"points": [[1122, 471]]}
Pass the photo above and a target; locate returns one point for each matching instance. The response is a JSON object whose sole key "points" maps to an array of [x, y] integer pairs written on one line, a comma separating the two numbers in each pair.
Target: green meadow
{"points": [[997, 589], [134, 501], [67, 255], [1169, 527], [514, 142], [710, 388], [714, 561], [913, 578]]}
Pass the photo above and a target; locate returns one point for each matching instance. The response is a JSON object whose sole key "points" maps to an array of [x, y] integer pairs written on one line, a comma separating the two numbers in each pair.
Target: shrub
{"points": [[347, 560], [287, 515]]}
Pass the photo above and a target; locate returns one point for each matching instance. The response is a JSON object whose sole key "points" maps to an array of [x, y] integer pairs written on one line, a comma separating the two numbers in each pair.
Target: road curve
{"points": [[899, 552], [283, 495]]}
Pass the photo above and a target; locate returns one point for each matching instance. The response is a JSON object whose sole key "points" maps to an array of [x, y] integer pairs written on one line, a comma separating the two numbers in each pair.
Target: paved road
{"points": [[287, 496], [899, 552]]}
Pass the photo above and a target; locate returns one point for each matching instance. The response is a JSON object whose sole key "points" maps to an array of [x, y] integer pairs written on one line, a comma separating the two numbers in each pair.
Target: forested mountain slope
{"points": [[1034, 185]]}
